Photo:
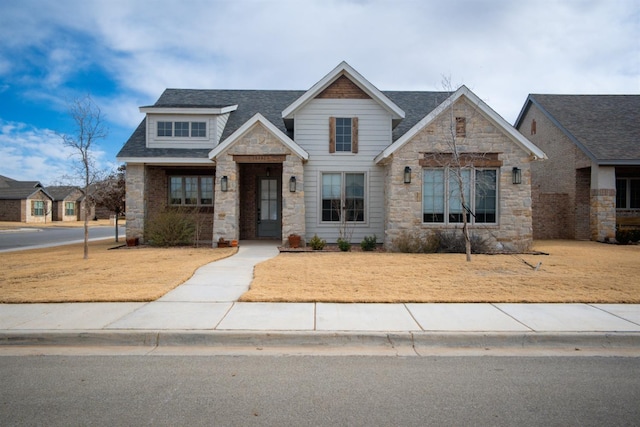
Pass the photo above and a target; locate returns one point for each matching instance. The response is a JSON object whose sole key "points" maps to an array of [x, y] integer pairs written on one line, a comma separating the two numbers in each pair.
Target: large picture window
{"points": [[628, 193], [442, 191], [343, 197], [191, 190]]}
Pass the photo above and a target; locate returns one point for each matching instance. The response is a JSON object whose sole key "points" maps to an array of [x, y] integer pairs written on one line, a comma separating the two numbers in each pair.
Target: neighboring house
{"points": [[67, 203], [342, 158], [24, 201], [591, 182]]}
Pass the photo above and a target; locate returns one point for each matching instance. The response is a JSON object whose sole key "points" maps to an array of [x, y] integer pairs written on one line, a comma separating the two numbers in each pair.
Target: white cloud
{"points": [[32, 154]]}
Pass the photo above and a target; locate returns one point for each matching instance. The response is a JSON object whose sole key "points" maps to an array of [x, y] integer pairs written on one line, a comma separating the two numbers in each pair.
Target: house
{"points": [[591, 182], [342, 159], [67, 203], [24, 201]]}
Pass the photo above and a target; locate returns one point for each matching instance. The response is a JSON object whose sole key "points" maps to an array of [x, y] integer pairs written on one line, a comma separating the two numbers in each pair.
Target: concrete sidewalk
{"points": [[204, 311]]}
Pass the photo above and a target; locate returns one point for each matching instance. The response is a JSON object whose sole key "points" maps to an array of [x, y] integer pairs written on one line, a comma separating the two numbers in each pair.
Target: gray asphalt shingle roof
{"points": [[269, 103], [10, 189], [606, 127]]}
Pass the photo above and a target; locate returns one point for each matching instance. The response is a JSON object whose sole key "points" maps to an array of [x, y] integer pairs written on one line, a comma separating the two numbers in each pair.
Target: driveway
{"points": [[31, 238]]}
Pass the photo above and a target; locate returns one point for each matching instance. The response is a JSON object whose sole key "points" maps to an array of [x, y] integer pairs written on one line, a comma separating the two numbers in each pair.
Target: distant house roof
{"points": [[10, 189], [61, 192], [605, 127], [270, 104]]}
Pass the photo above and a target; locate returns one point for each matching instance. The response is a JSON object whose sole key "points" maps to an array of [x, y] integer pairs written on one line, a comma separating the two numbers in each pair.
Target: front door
{"points": [[269, 224]]}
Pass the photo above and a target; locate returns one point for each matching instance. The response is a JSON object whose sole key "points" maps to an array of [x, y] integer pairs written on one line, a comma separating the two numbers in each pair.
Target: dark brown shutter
{"points": [[332, 134], [354, 135]]}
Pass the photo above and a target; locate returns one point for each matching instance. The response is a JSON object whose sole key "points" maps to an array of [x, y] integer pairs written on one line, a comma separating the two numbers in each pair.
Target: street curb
{"points": [[407, 341]]}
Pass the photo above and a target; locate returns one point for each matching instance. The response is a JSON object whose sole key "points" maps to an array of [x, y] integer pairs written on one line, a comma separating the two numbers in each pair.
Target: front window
{"points": [[38, 208], [69, 208], [191, 190], [343, 134], [628, 193], [343, 197], [442, 198], [182, 129]]}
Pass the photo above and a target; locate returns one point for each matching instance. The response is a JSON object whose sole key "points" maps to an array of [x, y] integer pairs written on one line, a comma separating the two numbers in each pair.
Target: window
{"points": [[165, 128], [38, 208], [461, 127], [628, 193], [69, 208], [191, 190], [182, 129], [343, 135], [442, 198], [343, 197], [198, 129]]}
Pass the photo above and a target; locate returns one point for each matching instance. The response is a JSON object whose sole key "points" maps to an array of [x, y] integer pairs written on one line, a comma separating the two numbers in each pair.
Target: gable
{"points": [[343, 70], [604, 127], [343, 88], [463, 92]]}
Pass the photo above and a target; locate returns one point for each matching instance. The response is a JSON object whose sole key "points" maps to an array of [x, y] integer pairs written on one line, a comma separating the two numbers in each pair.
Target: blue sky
{"points": [[124, 53]]}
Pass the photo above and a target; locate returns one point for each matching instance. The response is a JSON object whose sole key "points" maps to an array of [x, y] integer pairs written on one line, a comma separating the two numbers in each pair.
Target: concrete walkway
{"points": [[205, 310]]}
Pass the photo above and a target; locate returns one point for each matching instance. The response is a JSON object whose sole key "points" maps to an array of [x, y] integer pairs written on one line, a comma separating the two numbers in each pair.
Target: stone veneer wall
{"points": [[403, 202], [135, 202], [257, 141], [603, 214]]}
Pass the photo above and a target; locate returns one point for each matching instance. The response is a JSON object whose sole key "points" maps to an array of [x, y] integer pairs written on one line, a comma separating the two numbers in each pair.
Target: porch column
{"points": [[293, 212], [226, 203], [602, 218], [135, 205]]}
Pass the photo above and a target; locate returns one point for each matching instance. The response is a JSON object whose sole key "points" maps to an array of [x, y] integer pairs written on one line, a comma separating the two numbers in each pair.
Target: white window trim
{"points": [[472, 202], [181, 138]]}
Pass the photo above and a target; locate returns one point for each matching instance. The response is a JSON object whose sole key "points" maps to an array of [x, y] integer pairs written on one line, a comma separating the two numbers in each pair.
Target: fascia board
{"points": [[187, 110], [165, 160]]}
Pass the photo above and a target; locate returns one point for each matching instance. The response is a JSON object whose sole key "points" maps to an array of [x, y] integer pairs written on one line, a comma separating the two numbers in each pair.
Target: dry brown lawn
{"points": [[572, 272], [60, 274]]}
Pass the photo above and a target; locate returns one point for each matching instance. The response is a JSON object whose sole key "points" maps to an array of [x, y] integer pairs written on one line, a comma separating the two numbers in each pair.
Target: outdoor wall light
{"points": [[516, 175], [292, 184], [407, 175], [224, 183]]}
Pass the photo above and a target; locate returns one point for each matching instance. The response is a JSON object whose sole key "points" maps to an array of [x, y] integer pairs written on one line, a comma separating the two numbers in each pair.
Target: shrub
{"points": [[344, 244], [414, 243], [316, 243], [173, 227], [368, 243], [627, 236], [453, 242]]}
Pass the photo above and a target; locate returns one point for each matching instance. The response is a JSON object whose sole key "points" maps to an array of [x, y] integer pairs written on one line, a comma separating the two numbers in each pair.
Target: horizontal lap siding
{"points": [[374, 135]]}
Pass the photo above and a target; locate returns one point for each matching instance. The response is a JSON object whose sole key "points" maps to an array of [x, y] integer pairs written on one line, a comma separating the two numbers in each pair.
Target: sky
{"points": [[124, 53]]}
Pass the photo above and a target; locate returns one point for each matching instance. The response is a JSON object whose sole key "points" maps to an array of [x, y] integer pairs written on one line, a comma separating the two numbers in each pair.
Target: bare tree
{"points": [[460, 165], [110, 193], [89, 127]]}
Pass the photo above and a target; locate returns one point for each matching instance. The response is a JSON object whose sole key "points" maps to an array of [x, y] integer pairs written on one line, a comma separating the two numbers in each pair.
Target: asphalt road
{"points": [[318, 391], [26, 238]]}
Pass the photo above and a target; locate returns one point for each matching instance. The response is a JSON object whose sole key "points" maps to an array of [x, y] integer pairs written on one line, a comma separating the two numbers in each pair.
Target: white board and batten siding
{"points": [[374, 135]]}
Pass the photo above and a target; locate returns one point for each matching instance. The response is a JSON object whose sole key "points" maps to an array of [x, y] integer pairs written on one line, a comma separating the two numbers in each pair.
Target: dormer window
{"points": [[182, 129]]}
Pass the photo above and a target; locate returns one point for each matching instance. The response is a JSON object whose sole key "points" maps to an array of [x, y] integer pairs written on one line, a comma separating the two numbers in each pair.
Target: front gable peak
{"points": [[344, 82]]}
